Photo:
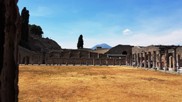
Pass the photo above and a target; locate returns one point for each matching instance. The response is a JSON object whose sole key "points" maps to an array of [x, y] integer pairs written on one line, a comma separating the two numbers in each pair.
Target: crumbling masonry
{"points": [[160, 57]]}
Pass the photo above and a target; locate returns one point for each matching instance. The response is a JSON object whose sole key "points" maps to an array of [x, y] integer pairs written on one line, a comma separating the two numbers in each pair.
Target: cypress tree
{"points": [[80, 42], [25, 26]]}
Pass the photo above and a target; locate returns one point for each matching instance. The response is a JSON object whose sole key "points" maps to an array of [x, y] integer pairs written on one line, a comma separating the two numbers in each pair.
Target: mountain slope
{"points": [[103, 45]]}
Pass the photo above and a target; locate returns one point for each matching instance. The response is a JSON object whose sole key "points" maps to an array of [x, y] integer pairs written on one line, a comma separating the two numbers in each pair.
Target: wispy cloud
{"points": [[114, 22], [127, 31], [169, 38], [144, 39], [41, 11], [97, 32]]}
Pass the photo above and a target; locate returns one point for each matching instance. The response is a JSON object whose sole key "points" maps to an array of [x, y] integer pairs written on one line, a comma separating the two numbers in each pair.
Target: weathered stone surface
{"points": [[160, 57], [9, 31]]}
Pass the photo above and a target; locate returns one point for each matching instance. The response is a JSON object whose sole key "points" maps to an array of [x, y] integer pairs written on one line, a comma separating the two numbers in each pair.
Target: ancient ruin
{"points": [[160, 57], [35, 49], [48, 52], [73, 57]]}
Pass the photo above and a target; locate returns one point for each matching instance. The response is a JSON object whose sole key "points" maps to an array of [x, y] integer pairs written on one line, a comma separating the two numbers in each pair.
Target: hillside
{"points": [[44, 44]]}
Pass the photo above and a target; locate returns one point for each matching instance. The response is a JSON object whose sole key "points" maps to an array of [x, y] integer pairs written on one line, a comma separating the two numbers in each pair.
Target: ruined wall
{"points": [[9, 31], [29, 57], [138, 49], [80, 57], [162, 57], [158, 56], [120, 49]]}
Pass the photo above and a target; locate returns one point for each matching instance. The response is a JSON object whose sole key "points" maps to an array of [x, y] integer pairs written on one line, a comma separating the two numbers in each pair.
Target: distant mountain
{"points": [[103, 45]]}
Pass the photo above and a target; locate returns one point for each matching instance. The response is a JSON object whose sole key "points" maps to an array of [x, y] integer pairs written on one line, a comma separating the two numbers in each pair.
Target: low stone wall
{"points": [[86, 61], [29, 57]]}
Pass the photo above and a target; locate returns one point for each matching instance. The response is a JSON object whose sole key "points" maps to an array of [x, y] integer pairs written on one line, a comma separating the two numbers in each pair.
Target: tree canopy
{"points": [[36, 30], [80, 42]]}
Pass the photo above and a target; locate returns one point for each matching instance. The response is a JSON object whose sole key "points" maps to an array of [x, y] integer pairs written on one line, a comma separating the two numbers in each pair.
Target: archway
{"points": [[124, 53]]}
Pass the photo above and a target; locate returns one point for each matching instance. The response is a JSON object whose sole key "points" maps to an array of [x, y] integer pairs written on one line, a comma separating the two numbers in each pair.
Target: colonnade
{"points": [[160, 59]]}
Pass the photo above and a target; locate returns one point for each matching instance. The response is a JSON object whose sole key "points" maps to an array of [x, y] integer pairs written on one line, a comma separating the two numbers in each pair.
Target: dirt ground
{"points": [[97, 84]]}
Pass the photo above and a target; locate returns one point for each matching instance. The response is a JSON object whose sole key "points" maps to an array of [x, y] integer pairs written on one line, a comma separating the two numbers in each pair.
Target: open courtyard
{"points": [[97, 84]]}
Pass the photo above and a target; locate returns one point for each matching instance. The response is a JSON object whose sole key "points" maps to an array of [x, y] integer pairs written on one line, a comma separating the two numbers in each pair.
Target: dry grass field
{"points": [[97, 84]]}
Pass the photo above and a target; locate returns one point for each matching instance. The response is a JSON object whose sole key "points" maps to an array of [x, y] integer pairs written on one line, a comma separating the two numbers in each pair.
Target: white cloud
{"points": [[170, 38], [127, 32], [138, 39], [97, 32], [143, 39]]}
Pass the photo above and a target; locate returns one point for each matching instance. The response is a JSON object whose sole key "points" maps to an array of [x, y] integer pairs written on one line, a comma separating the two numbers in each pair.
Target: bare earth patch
{"points": [[97, 84]]}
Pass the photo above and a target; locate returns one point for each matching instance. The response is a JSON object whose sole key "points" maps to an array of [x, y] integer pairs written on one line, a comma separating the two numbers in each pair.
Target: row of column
{"points": [[154, 60], [144, 59]]}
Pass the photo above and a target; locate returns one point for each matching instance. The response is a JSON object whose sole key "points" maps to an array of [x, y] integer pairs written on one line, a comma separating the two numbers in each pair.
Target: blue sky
{"points": [[134, 22]]}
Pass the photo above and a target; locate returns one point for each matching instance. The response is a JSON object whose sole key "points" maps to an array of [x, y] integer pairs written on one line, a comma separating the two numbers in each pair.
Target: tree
{"points": [[80, 42], [10, 29], [36, 30], [25, 27], [25, 21]]}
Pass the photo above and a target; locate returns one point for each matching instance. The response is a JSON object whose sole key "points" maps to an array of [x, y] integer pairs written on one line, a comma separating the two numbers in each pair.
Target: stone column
{"points": [[178, 62], [154, 59], [135, 60], [170, 62], [141, 59], [106, 62], [138, 60], [160, 60], [174, 60], [98, 55], [149, 60], [166, 60], [100, 62], [130, 60], [93, 61], [126, 59], [145, 60], [135, 64], [89, 54]]}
